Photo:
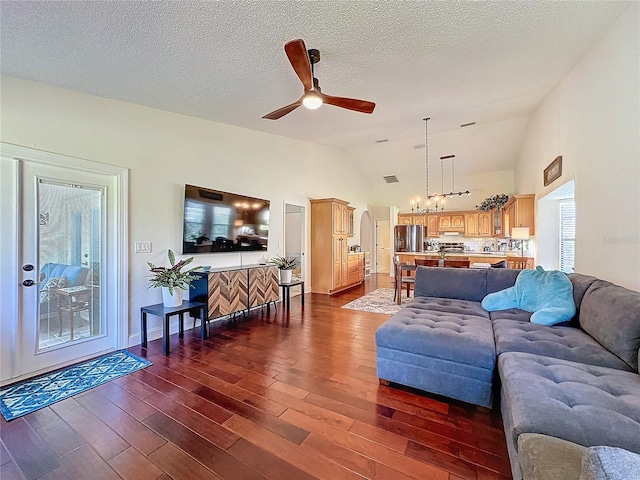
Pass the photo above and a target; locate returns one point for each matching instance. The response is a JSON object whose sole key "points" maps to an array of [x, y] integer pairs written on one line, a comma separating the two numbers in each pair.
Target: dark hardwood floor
{"points": [[290, 396]]}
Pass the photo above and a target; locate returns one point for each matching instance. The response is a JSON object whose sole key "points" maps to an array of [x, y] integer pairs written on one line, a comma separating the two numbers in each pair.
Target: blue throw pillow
{"points": [[548, 295]]}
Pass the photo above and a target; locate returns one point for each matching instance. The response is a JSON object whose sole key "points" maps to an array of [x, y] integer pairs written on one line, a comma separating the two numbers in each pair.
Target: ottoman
{"points": [[439, 345]]}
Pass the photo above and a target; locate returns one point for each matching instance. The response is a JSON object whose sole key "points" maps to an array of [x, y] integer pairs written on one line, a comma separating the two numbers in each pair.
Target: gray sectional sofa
{"points": [[565, 391]]}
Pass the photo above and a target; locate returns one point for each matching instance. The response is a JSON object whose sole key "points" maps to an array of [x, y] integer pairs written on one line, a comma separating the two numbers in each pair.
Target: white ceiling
{"points": [[455, 62]]}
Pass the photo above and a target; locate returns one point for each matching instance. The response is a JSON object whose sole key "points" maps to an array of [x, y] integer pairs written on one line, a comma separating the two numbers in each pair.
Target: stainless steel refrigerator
{"points": [[409, 238]]}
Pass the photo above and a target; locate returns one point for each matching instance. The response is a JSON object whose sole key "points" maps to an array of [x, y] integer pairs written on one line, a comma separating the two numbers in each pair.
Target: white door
{"points": [[67, 294], [383, 246]]}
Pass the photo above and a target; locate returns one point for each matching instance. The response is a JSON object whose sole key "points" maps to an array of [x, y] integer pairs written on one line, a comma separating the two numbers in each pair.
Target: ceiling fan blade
{"points": [[299, 57], [349, 103], [281, 112]]}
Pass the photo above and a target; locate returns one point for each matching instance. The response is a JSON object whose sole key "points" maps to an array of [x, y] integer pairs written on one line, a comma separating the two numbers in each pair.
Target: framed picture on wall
{"points": [[553, 171]]}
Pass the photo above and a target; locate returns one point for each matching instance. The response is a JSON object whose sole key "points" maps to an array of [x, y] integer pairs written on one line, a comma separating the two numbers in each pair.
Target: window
{"points": [[567, 235]]}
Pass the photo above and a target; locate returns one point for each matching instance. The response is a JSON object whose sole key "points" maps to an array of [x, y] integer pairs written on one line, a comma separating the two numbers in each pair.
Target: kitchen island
{"points": [[472, 256]]}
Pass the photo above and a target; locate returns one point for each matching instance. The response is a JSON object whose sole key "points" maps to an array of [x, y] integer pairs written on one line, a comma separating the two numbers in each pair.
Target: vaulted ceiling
{"points": [[486, 62]]}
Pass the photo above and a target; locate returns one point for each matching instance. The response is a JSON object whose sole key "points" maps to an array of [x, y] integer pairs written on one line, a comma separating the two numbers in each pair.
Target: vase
{"points": [[285, 276], [174, 300]]}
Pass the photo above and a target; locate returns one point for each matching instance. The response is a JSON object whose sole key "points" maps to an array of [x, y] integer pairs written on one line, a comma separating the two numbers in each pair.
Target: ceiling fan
{"points": [[302, 61]]}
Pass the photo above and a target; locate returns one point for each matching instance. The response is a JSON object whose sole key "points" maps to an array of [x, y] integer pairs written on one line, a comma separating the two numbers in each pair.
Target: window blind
{"points": [[567, 236]]}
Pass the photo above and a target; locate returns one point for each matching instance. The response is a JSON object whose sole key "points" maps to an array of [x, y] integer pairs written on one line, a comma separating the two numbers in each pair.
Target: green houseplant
{"points": [[173, 280], [286, 265]]}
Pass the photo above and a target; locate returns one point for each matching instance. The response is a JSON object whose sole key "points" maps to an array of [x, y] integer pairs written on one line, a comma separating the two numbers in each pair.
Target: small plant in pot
{"points": [[173, 280], [286, 266]]}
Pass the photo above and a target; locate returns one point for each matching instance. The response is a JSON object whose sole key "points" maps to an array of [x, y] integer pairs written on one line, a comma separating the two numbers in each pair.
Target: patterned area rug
{"points": [[36, 393], [378, 301]]}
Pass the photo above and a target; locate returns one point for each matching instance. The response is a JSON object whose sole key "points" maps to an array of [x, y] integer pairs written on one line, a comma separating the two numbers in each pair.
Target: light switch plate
{"points": [[143, 247]]}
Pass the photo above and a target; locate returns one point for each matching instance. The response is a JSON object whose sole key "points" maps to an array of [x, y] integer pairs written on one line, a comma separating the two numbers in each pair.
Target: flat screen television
{"points": [[221, 222]]}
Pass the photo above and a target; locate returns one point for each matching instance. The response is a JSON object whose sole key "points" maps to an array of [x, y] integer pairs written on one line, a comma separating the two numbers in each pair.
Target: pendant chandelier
{"points": [[438, 198]]}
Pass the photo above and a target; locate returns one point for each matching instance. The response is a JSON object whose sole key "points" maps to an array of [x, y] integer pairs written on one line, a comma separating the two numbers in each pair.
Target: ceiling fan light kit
{"points": [[302, 61]]}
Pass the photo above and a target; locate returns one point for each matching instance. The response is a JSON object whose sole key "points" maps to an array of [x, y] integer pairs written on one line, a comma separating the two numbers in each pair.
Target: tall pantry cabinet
{"points": [[329, 250]]}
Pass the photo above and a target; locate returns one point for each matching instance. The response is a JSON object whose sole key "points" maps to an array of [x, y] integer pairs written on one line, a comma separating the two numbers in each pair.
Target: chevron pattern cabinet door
{"points": [[263, 285], [217, 291], [272, 291], [237, 292]]}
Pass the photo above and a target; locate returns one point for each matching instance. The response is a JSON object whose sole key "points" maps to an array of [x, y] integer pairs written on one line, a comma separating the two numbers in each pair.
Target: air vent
{"points": [[390, 179], [468, 124], [418, 147], [382, 141]]}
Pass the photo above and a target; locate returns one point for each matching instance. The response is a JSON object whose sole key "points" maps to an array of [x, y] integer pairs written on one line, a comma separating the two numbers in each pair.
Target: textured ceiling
{"points": [[224, 61]]}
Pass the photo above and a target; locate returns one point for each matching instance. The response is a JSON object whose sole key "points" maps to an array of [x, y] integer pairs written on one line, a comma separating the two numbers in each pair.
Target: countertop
{"points": [[465, 254]]}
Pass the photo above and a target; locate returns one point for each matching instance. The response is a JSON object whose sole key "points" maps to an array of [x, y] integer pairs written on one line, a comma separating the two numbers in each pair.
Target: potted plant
{"points": [[286, 265], [496, 201], [173, 280]]}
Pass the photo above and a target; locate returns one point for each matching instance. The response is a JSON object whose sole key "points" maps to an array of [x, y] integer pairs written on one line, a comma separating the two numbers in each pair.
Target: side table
{"points": [[161, 311], [286, 292]]}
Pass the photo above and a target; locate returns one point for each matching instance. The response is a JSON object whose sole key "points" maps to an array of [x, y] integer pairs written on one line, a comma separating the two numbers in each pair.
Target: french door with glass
{"points": [[66, 236]]}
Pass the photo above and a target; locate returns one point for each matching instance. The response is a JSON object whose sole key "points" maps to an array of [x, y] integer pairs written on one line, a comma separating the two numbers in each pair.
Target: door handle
{"points": [[29, 283]]}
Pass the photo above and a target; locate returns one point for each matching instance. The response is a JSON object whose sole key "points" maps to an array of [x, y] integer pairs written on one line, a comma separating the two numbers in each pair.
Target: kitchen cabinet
{"points": [[350, 218], [451, 223], [471, 224], [520, 212], [432, 226], [485, 224], [355, 273], [405, 219], [329, 249], [498, 222], [411, 219]]}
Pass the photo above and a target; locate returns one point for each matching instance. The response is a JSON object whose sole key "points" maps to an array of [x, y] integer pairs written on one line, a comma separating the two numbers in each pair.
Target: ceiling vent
{"points": [[468, 124], [390, 179], [382, 141], [418, 147]]}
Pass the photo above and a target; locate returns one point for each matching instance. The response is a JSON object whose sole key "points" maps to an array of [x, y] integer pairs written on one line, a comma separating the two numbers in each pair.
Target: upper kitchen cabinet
{"points": [[485, 220], [453, 222], [340, 215], [405, 219], [432, 226], [470, 224], [350, 217], [520, 212]]}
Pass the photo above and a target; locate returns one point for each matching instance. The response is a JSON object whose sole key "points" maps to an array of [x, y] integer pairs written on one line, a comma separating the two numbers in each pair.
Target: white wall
{"points": [[592, 119], [163, 152]]}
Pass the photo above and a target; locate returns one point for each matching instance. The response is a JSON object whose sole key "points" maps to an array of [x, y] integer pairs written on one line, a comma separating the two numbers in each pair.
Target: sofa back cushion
{"points": [[461, 283], [499, 279], [611, 315], [74, 274], [581, 284]]}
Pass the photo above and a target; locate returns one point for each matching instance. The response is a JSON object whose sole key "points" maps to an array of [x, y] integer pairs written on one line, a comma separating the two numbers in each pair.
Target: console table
{"points": [[231, 290], [161, 311]]}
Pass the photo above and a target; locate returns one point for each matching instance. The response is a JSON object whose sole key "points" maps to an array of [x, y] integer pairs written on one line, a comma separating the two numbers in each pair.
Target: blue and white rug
{"points": [[39, 392]]}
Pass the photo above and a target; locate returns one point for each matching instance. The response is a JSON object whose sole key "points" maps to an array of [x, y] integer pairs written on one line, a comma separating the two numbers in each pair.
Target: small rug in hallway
{"points": [[378, 301], [39, 392]]}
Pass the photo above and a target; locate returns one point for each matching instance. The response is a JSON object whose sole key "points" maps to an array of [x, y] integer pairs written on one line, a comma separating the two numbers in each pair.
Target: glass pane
{"points": [[69, 249]]}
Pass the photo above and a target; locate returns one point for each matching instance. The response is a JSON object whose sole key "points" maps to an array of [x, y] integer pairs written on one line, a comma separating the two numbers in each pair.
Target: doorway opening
{"points": [[294, 245], [383, 246]]}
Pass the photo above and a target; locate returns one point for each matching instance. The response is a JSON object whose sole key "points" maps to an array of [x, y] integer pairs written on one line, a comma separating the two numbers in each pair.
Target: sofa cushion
{"points": [[49, 290], [610, 463], [584, 404], [611, 315], [438, 328], [581, 284], [500, 279], [460, 283], [548, 458], [510, 314], [567, 343]]}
